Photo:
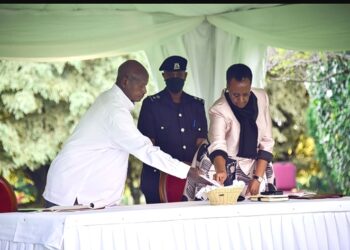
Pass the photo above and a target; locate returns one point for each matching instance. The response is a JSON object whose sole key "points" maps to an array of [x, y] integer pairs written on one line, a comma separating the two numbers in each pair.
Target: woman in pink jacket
{"points": [[240, 133]]}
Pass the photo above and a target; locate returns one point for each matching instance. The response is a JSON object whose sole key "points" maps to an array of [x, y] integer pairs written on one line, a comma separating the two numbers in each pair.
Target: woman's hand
{"points": [[220, 176], [253, 187], [220, 169]]}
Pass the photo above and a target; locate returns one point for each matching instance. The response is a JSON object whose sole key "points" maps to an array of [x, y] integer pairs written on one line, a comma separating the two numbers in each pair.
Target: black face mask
{"points": [[175, 84]]}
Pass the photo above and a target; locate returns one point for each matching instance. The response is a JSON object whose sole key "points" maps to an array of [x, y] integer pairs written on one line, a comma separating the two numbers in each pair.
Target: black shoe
{"points": [[240, 198], [271, 187]]}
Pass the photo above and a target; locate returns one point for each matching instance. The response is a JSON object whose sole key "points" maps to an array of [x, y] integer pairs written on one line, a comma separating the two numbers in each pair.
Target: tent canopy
{"points": [[210, 36]]}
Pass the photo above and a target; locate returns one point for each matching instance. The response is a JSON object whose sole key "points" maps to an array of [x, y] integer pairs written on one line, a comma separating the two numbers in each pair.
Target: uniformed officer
{"points": [[176, 122]]}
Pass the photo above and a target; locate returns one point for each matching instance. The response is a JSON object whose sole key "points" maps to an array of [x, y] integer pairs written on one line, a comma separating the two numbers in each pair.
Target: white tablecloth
{"points": [[294, 224]]}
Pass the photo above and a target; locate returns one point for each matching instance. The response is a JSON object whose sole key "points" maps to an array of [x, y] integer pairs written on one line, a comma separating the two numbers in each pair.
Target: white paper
{"points": [[300, 193], [213, 182]]}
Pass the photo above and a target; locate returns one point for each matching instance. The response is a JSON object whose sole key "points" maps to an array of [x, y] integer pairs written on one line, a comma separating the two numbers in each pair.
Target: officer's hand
{"points": [[220, 177]]}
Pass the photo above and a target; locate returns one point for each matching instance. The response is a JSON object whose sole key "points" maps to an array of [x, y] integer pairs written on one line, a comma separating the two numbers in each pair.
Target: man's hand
{"points": [[194, 173]]}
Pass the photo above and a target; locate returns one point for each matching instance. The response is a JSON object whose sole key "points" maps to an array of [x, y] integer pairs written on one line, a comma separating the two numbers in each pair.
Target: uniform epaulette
{"points": [[198, 99], [154, 97]]}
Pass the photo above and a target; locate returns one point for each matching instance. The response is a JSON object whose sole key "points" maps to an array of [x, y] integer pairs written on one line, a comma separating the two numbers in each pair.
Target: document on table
{"points": [[311, 196], [70, 208], [281, 197]]}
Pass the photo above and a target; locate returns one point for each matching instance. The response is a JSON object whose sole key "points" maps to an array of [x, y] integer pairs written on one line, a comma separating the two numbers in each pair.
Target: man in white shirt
{"points": [[92, 166]]}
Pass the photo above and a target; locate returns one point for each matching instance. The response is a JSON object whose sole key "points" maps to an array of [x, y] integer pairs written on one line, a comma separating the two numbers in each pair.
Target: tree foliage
{"points": [[329, 117], [285, 88], [309, 95], [289, 99]]}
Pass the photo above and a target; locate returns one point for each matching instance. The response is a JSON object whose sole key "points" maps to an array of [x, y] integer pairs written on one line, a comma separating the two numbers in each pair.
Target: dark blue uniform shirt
{"points": [[175, 129]]}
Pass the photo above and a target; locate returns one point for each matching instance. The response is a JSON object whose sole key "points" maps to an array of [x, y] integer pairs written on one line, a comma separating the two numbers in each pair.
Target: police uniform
{"points": [[175, 127]]}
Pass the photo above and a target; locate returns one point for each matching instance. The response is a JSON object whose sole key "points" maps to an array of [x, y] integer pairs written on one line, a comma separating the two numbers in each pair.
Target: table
{"points": [[293, 224]]}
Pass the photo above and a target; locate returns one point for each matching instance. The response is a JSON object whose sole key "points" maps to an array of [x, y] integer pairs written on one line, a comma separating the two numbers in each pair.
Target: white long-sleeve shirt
{"points": [[92, 166]]}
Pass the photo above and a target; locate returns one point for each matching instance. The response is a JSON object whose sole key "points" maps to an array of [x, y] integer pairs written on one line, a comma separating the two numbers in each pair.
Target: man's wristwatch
{"points": [[258, 178]]}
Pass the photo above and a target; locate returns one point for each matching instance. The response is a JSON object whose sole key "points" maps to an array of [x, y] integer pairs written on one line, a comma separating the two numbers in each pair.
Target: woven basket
{"points": [[224, 195]]}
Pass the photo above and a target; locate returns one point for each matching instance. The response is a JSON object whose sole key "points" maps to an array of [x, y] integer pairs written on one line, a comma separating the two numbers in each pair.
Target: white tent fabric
{"points": [[210, 36], [210, 51]]}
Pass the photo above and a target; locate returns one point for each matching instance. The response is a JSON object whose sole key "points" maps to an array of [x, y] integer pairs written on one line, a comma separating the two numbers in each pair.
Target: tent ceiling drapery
{"points": [[211, 36], [46, 31]]}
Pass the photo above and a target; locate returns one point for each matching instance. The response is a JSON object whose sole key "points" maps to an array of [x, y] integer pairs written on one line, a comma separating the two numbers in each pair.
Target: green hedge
{"points": [[329, 118]]}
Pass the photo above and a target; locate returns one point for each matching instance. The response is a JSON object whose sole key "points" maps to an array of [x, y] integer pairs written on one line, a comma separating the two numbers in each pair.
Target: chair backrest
{"points": [[285, 175], [171, 188], [8, 201]]}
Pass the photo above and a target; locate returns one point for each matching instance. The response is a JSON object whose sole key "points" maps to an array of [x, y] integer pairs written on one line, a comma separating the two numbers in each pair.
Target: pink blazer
{"points": [[224, 129]]}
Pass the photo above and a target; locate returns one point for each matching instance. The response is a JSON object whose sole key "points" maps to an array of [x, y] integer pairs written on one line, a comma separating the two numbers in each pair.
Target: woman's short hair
{"points": [[239, 72]]}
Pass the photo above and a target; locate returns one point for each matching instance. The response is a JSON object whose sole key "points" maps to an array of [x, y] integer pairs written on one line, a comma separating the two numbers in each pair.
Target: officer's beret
{"points": [[173, 63]]}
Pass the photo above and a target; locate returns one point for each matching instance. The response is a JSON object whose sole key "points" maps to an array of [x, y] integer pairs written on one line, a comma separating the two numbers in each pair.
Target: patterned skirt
{"points": [[202, 161]]}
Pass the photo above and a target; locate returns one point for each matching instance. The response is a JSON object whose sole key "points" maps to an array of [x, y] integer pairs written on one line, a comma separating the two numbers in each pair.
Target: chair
{"points": [[171, 188], [8, 201], [285, 175]]}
